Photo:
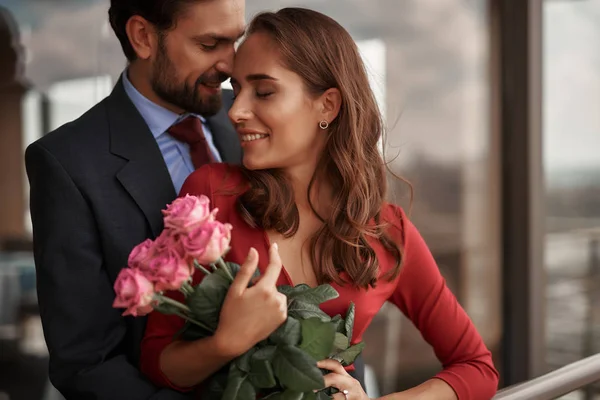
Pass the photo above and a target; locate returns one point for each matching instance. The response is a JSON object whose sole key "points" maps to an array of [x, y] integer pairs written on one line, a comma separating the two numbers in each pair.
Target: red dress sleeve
{"points": [[422, 295], [161, 328]]}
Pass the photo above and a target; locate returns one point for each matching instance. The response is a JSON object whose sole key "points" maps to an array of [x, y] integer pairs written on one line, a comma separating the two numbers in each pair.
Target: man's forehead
{"points": [[228, 14]]}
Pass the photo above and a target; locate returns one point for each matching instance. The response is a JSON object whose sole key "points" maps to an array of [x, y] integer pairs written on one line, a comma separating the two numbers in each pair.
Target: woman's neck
{"points": [[321, 193]]}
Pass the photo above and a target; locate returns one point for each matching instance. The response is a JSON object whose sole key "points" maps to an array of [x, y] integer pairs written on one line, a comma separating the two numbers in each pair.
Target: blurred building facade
{"points": [[441, 73]]}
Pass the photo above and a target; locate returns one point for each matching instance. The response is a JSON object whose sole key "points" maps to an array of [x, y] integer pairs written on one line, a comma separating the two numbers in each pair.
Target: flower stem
{"points": [[201, 268], [221, 264], [174, 303], [186, 289], [193, 321], [184, 311]]}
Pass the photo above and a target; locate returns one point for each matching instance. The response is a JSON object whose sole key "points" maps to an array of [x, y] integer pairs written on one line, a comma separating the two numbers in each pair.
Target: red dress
{"points": [[419, 291]]}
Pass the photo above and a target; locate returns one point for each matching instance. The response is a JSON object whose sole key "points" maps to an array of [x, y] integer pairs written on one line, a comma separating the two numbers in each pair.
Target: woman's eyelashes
{"points": [[263, 95]]}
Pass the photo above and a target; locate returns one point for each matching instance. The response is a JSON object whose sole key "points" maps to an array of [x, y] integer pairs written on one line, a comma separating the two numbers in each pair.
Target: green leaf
{"points": [[348, 356], [303, 310], [339, 324], [340, 343], [316, 296], [296, 370], [205, 303], [317, 338], [291, 290], [285, 289], [273, 396], [266, 353], [350, 321], [300, 288], [216, 386], [292, 395], [190, 332], [243, 361], [261, 373], [288, 333], [323, 396], [238, 387]]}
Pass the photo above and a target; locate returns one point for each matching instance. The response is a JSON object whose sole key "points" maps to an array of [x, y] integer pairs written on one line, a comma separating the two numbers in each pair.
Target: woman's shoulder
{"points": [[396, 223], [394, 216], [213, 180]]}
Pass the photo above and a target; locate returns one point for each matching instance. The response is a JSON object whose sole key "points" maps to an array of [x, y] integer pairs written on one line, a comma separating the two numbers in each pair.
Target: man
{"points": [[99, 183]]}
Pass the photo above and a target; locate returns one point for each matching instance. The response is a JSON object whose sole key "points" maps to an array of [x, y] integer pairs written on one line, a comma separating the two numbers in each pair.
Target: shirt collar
{"points": [[158, 118]]}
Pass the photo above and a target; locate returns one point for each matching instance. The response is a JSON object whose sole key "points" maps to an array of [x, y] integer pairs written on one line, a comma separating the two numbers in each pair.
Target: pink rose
{"points": [[185, 214], [134, 292], [141, 255], [208, 242], [168, 270], [168, 240]]}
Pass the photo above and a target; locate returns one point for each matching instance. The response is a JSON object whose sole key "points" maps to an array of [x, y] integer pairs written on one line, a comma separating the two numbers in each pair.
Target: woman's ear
{"points": [[330, 103]]}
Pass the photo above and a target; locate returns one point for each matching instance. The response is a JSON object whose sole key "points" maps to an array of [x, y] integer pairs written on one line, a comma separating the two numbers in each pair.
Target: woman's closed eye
{"points": [[263, 95]]}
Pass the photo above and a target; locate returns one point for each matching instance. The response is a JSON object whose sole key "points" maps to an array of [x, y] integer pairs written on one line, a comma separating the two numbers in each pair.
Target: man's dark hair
{"points": [[161, 13]]}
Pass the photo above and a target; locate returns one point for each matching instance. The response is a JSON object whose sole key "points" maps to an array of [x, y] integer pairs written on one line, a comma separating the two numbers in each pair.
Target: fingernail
{"points": [[275, 247], [251, 253]]}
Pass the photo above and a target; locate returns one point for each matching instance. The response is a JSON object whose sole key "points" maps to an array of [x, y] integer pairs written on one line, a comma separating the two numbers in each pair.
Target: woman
{"points": [[313, 182]]}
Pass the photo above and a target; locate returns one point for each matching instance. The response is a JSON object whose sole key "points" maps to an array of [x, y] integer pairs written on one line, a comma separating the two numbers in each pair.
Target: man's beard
{"points": [[181, 94]]}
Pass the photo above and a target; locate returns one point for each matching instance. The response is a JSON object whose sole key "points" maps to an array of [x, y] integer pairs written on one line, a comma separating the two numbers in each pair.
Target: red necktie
{"points": [[189, 130]]}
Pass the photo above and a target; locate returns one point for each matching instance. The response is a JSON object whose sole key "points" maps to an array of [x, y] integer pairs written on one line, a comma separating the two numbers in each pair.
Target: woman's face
{"points": [[275, 116]]}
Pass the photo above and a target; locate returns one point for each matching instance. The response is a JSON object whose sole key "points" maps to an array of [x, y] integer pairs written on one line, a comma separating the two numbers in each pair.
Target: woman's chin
{"points": [[252, 164]]}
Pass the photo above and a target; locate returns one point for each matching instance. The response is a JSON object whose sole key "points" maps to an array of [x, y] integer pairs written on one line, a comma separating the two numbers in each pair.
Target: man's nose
{"points": [[225, 65]]}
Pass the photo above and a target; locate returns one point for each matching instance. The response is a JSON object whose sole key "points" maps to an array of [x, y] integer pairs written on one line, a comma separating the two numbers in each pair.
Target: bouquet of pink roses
{"points": [[282, 367]]}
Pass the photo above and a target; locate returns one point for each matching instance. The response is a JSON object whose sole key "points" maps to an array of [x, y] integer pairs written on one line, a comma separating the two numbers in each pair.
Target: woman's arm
{"points": [[187, 364], [423, 296]]}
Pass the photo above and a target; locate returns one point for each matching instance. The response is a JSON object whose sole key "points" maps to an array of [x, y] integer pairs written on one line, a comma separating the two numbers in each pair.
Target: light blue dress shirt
{"points": [[175, 153]]}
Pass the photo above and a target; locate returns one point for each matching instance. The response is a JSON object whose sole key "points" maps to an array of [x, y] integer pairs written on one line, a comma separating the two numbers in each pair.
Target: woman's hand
{"points": [[350, 388], [251, 314]]}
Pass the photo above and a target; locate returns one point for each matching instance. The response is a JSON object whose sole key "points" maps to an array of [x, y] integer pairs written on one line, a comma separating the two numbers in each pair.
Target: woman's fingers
{"points": [[333, 366]]}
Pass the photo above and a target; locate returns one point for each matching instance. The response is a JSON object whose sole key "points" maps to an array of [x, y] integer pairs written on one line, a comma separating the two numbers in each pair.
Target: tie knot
{"points": [[189, 130]]}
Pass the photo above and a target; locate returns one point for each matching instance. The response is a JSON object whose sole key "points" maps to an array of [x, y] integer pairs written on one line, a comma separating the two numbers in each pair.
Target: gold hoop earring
{"points": [[323, 124]]}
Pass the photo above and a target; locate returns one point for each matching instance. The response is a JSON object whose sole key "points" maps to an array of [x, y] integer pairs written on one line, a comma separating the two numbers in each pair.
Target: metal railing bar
{"points": [[556, 383]]}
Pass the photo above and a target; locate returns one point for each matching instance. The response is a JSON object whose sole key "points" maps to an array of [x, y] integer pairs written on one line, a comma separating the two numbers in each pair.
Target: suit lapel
{"points": [[145, 175]]}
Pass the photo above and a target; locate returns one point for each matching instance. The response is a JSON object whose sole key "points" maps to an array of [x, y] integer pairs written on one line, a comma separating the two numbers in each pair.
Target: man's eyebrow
{"points": [[218, 37]]}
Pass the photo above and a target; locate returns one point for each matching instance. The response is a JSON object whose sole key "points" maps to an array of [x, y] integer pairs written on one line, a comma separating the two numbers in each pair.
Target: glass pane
{"points": [[572, 168]]}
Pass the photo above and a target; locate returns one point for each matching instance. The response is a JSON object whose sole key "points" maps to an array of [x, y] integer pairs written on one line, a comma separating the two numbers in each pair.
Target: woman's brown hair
{"points": [[325, 56]]}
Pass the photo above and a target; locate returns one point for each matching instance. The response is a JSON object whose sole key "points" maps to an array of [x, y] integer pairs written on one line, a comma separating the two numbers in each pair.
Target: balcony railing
{"points": [[556, 383]]}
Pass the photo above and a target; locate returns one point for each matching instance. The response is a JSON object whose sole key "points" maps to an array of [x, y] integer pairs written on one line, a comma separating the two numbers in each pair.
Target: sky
{"points": [[572, 85]]}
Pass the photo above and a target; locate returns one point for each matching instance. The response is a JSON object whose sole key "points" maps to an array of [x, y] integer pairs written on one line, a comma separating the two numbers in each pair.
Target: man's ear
{"points": [[142, 36]]}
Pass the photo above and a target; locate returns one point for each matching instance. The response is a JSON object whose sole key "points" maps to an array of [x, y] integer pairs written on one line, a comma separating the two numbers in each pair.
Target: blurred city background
{"points": [[436, 67]]}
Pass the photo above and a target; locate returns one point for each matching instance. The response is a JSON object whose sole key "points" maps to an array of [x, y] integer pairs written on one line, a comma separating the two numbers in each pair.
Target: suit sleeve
{"points": [[83, 332], [161, 328], [424, 298]]}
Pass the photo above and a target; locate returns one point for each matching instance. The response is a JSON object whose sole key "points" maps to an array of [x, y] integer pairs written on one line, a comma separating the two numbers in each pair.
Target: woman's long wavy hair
{"points": [[325, 56]]}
